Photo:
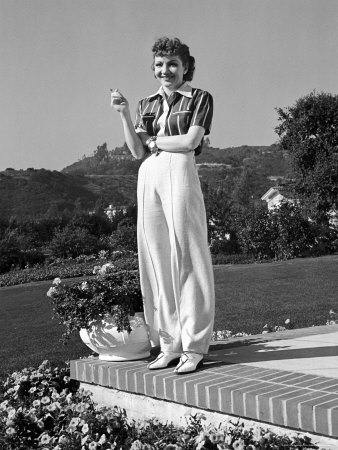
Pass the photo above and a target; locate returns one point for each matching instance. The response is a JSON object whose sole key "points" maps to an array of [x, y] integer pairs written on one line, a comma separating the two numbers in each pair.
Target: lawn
{"points": [[247, 297]]}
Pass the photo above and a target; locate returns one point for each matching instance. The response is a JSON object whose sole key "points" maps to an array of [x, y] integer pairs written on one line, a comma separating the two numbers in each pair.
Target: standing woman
{"points": [[174, 259]]}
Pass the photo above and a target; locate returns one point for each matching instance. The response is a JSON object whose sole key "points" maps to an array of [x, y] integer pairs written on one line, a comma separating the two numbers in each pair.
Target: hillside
{"points": [[111, 177], [26, 192]]}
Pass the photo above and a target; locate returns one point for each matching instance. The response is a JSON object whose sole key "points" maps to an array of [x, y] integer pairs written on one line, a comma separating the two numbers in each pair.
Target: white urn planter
{"points": [[103, 338]]}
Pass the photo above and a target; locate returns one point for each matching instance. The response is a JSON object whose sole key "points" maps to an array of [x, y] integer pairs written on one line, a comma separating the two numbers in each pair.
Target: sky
{"points": [[60, 58]]}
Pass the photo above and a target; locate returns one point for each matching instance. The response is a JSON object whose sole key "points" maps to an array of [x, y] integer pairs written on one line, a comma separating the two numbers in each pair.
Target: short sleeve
{"points": [[203, 111], [139, 125]]}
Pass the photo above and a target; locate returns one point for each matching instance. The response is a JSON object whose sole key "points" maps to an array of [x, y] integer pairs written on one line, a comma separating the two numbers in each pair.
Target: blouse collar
{"points": [[185, 89]]}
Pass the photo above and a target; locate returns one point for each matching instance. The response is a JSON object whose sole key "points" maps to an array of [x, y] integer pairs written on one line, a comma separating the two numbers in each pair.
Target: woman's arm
{"points": [[183, 142], [134, 141]]}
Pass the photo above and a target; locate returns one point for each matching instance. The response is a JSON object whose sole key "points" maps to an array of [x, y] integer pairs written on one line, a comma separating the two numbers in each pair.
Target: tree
{"points": [[101, 154], [72, 241], [308, 131]]}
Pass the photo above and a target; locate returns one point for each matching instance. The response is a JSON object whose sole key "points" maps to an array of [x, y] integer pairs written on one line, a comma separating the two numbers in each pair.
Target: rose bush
{"points": [[112, 291]]}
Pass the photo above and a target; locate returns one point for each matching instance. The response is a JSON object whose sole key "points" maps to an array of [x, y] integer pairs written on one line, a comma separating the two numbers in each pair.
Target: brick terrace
{"points": [[302, 401]]}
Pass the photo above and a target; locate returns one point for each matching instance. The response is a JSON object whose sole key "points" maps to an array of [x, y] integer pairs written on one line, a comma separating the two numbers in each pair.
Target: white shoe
{"points": [[189, 362], [164, 360]]}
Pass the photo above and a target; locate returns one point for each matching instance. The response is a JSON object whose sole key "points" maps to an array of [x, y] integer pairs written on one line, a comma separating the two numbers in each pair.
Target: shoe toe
{"points": [[189, 364]]}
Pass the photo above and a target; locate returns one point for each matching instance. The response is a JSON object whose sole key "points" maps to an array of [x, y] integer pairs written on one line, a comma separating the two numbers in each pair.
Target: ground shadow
{"points": [[246, 352]]}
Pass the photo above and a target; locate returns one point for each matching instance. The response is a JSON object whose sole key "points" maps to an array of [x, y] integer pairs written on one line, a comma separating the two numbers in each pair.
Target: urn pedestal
{"points": [[103, 338]]}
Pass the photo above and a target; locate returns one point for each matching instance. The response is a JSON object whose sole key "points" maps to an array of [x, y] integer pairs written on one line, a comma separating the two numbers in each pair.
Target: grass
{"points": [[247, 297]]}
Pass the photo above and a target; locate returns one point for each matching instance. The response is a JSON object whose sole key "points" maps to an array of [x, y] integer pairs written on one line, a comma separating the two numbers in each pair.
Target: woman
{"points": [[174, 259]]}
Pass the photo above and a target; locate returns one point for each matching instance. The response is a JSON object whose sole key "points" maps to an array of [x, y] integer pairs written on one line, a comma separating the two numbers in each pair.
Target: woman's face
{"points": [[169, 71]]}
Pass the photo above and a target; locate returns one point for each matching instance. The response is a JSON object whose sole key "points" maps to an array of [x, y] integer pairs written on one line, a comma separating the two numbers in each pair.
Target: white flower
{"points": [[106, 268], [238, 445], [103, 439], [74, 422], [84, 440], [10, 431], [84, 286], [92, 446], [44, 364], [96, 269], [45, 438], [51, 291], [136, 445], [52, 407], [228, 439], [45, 400], [36, 403], [57, 281], [287, 322], [331, 312], [62, 439], [32, 416], [3, 405], [11, 413], [32, 389], [81, 407], [85, 428]]}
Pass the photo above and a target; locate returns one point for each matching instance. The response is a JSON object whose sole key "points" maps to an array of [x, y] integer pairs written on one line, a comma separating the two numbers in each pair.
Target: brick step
{"points": [[302, 402]]}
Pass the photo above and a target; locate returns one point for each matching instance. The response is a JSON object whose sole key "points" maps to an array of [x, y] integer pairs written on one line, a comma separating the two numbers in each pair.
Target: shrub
{"points": [[124, 238], [224, 258], [291, 233], [9, 255], [254, 233], [72, 241], [281, 233], [15, 252]]}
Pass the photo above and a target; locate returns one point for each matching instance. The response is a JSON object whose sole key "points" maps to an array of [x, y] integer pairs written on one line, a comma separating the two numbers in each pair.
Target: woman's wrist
{"points": [[125, 113], [152, 145]]}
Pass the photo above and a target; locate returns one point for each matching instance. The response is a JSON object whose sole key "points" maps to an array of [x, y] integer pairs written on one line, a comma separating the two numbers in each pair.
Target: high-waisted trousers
{"points": [[174, 259]]}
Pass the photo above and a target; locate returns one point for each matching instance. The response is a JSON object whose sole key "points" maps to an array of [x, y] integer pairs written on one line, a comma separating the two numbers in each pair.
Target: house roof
{"points": [[278, 190]]}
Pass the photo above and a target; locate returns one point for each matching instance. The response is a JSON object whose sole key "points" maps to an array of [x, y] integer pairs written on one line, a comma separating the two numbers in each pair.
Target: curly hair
{"points": [[165, 46]]}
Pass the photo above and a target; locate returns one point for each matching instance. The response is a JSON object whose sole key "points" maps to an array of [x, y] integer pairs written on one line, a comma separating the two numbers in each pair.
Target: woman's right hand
{"points": [[118, 101]]}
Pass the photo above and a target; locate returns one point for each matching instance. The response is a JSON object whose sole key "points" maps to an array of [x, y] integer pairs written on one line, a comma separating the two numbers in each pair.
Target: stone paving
{"points": [[287, 379]]}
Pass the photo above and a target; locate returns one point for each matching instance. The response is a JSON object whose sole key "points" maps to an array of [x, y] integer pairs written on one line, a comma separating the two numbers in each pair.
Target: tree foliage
{"points": [[308, 131]]}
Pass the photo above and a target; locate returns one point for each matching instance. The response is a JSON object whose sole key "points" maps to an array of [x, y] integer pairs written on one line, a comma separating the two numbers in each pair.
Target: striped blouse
{"points": [[185, 107]]}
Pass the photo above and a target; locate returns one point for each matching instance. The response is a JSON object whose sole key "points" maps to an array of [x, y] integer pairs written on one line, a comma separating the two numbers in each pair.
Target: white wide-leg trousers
{"points": [[175, 265]]}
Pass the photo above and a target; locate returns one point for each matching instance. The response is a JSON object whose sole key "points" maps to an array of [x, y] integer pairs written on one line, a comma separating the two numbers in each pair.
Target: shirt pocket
{"points": [[181, 119], [147, 121]]}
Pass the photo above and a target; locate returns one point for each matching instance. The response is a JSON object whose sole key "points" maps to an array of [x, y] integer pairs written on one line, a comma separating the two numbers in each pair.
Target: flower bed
{"points": [[43, 408], [68, 268]]}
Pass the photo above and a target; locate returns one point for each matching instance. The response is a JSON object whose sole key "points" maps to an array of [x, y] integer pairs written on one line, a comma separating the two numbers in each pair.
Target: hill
{"points": [[26, 192], [110, 176]]}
